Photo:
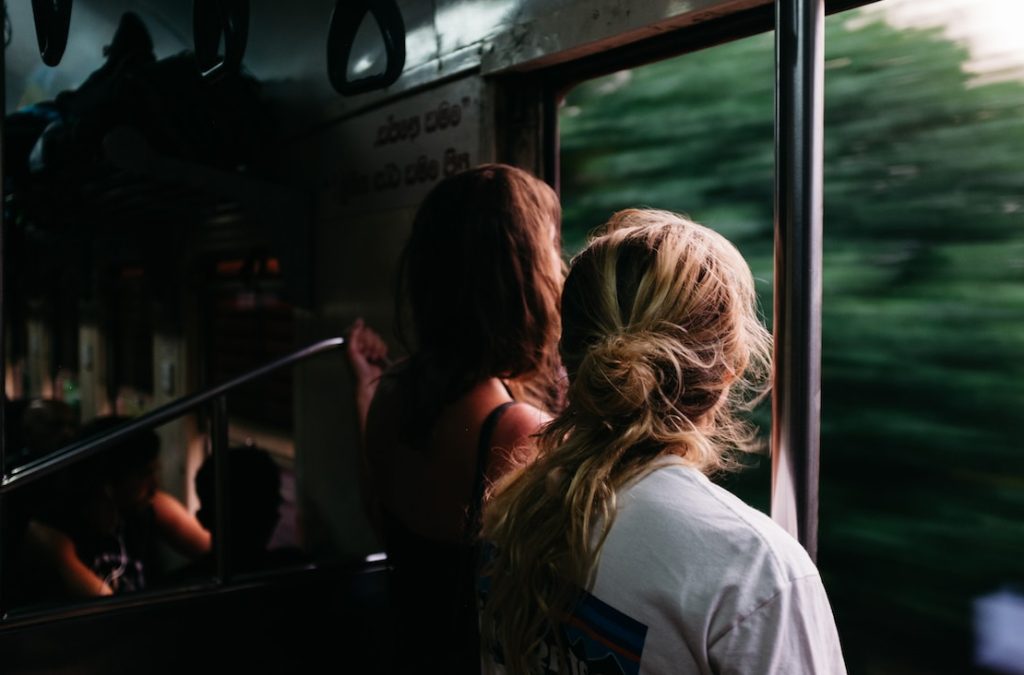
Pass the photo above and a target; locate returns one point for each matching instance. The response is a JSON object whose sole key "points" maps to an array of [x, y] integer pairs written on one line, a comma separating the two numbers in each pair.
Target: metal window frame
{"points": [[3, 310], [798, 188]]}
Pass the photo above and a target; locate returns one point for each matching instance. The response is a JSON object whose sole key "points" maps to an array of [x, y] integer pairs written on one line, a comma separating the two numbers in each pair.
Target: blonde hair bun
{"points": [[635, 374], [614, 378]]}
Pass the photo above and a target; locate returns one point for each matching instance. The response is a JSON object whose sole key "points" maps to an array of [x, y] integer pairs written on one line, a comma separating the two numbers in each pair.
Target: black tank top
{"points": [[432, 584]]}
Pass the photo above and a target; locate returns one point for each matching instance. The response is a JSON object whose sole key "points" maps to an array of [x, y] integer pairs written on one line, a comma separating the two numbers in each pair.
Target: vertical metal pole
{"points": [[796, 401], [219, 442], [3, 317]]}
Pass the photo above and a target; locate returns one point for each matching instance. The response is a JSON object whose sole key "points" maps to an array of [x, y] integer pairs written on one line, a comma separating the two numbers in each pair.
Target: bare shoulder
{"points": [[519, 422], [515, 431], [512, 441]]}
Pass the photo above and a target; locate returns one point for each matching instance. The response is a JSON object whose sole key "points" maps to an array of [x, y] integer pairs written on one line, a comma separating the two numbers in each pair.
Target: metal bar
{"points": [[133, 602], [796, 399], [3, 318], [669, 43], [35, 470], [663, 45], [219, 441]]}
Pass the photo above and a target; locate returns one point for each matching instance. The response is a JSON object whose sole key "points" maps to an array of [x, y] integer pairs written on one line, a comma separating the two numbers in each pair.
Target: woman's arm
{"points": [[54, 549], [367, 355], [179, 528]]}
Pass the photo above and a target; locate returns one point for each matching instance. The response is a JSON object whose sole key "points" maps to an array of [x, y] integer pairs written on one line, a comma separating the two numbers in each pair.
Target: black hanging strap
{"points": [[53, 22], [212, 19]]}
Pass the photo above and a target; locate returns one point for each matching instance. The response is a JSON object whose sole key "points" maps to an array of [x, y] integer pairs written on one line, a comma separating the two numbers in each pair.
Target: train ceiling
{"points": [[287, 45], [123, 149], [282, 46], [287, 42]]}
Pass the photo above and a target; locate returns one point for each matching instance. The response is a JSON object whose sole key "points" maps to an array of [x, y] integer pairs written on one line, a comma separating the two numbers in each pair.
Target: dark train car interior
{"points": [[200, 198]]}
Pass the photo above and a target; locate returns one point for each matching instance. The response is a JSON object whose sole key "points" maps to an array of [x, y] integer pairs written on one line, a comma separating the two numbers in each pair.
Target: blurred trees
{"points": [[922, 486]]}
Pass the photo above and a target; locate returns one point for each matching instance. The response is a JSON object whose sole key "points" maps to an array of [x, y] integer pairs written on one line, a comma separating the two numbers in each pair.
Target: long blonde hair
{"points": [[663, 343]]}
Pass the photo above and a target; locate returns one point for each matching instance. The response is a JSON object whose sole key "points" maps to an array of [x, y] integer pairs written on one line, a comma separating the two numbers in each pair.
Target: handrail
{"points": [[91, 607], [42, 467]]}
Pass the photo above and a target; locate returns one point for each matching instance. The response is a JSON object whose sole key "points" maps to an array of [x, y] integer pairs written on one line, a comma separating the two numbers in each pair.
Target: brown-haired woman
{"points": [[482, 276], [612, 552]]}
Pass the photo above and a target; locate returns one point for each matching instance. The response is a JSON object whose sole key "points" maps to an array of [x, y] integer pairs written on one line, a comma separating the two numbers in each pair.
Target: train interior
{"points": [[200, 198]]}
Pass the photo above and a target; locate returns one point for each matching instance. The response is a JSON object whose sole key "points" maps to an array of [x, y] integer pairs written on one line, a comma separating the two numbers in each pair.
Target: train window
{"points": [[143, 271], [923, 314], [127, 532], [249, 325], [637, 138], [129, 324]]}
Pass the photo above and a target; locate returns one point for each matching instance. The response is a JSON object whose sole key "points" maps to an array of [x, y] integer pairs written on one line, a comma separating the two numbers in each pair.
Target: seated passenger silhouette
{"points": [[254, 504], [98, 530]]}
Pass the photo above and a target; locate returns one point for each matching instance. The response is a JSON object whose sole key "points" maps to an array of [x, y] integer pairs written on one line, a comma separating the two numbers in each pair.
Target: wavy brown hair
{"points": [[482, 276], [663, 342]]}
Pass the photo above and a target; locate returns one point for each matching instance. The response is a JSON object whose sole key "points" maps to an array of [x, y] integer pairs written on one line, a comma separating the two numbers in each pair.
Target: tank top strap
{"points": [[483, 452]]}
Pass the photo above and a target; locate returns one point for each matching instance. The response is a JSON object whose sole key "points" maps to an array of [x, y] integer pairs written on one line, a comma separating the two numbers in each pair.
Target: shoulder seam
{"points": [[779, 567], [768, 601]]}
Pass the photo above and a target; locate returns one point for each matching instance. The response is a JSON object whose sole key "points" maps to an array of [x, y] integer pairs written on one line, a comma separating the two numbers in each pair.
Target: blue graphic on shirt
{"points": [[599, 639]]}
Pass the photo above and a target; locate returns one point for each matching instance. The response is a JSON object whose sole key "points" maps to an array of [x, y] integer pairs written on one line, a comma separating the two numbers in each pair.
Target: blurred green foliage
{"points": [[922, 483]]}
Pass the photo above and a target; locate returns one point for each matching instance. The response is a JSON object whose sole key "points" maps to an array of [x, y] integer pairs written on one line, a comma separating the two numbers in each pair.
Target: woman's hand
{"points": [[367, 353], [368, 357]]}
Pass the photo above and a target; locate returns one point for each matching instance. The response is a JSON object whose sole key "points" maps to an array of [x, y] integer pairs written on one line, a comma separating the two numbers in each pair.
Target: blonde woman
{"points": [[613, 552]]}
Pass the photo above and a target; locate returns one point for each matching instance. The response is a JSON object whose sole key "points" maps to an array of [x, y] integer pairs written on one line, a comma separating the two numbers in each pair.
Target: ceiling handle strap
{"points": [[348, 15], [53, 22], [211, 21]]}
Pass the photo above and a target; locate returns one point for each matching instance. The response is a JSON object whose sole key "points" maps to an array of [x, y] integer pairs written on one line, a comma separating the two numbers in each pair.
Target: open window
{"points": [[923, 316]]}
